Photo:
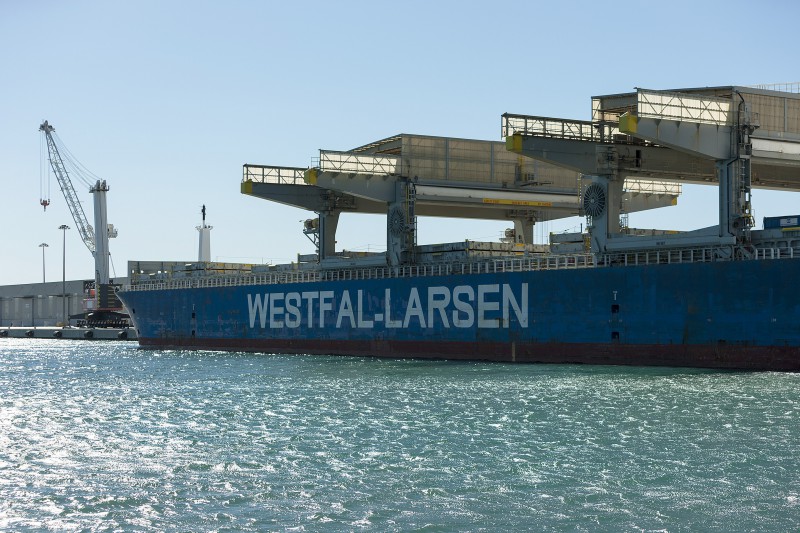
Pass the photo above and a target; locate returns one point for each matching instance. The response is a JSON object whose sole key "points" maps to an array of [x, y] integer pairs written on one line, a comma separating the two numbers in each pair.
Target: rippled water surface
{"points": [[104, 436]]}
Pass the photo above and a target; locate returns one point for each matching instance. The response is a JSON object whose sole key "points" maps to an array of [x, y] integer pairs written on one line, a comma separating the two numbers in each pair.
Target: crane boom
{"points": [[95, 239], [103, 305], [84, 228]]}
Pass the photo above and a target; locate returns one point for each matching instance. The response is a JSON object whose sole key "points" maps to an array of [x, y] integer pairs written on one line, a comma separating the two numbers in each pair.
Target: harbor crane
{"points": [[95, 238]]}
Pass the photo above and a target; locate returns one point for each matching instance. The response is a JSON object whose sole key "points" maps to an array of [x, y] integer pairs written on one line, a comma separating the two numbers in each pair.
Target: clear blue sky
{"points": [[167, 100]]}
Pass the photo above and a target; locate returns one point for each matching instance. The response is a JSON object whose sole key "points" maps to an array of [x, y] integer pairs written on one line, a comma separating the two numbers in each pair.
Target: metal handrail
{"points": [[640, 186], [549, 127], [543, 262], [335, 161], [684, 107], [559, 128], [529, 264], [273, 174], [790, 87]]}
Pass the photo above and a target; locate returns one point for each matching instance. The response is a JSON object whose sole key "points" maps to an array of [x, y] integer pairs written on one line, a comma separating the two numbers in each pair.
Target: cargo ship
{"points": [[716, 297]]}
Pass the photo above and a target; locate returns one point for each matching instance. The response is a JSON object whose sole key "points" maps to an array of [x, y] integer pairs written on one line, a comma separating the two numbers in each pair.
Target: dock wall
{"points": [[42, 304]]}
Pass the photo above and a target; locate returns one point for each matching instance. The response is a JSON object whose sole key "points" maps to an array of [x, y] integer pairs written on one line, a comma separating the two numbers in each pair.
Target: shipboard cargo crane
{"points": [[95, 238]]}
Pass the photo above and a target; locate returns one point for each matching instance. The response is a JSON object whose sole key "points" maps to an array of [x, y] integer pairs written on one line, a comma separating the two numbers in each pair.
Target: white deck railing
{"points": [[551, 262], [529, 264]]}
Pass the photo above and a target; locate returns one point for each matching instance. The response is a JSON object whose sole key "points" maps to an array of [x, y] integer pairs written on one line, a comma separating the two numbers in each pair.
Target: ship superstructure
{"points": [[713, 297]]}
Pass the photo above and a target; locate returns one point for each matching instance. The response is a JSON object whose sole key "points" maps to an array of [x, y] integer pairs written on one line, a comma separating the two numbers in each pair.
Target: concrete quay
{"points": [[68, 333]]}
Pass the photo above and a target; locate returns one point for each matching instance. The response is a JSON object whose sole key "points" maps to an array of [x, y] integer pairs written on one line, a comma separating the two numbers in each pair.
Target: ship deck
{"points": [[202, 278]]}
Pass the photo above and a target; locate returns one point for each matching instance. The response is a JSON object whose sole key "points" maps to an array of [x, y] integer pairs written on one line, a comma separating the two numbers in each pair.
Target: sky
{"points": [[167, 100]]}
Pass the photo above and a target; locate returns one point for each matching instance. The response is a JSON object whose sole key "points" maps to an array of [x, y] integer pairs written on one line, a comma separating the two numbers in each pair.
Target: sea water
{"points": [[100, 436]]}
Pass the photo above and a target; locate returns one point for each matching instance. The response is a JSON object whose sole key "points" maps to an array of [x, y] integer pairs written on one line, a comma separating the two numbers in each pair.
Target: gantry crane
{"points": [[95, 238]]}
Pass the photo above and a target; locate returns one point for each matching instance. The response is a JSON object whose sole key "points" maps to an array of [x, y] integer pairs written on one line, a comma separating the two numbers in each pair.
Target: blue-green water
{"points": [[103, 436]]}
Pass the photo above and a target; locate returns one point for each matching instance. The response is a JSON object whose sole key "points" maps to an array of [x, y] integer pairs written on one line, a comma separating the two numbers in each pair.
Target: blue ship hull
{"points": [[734, 314]]}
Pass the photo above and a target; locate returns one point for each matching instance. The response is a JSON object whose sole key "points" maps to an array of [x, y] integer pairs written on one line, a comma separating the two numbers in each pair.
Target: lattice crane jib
{"points": [[59, 169]]}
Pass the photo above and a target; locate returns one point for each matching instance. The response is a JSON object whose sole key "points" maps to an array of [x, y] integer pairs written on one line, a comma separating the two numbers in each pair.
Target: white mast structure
{"points": [[204, 248]]}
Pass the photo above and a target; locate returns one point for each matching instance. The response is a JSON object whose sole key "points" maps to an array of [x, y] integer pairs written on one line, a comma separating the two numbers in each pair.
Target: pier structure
{"points": [[71, 333], [44, 304]]}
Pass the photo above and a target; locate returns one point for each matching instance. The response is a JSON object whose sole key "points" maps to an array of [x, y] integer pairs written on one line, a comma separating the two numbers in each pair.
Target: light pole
{"points": [[64, 228], [43, 246]]}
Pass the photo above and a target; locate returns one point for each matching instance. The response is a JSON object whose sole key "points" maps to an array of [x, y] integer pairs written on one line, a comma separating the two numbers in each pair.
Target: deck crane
{"points": [[95, 238]]}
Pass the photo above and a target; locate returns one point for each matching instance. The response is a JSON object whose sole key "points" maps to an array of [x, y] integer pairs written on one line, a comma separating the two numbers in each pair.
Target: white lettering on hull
{"points": [[488, 306]]}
